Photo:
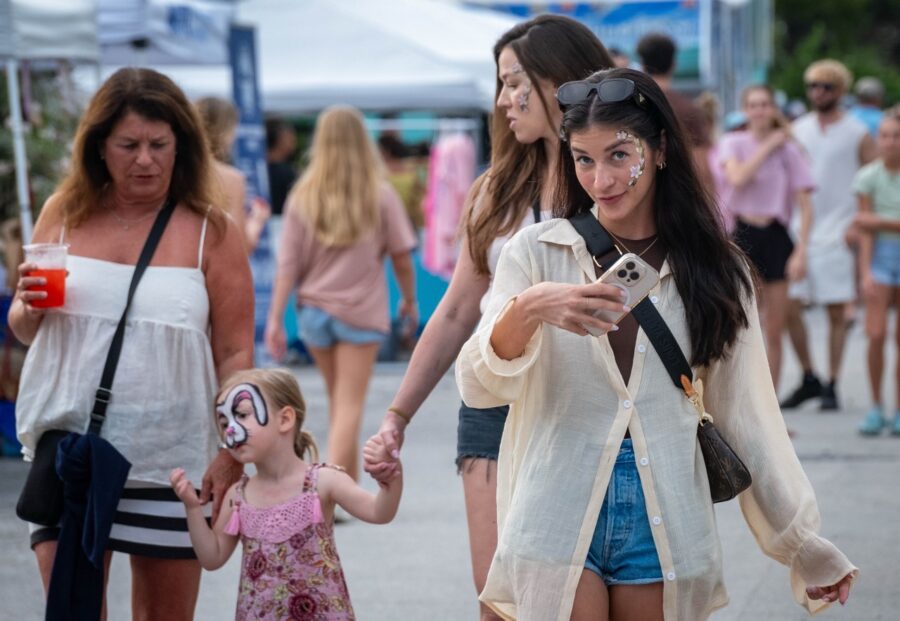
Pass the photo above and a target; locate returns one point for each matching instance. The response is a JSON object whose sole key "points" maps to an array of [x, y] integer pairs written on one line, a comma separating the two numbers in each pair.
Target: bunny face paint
{"points": [[242, 405]]}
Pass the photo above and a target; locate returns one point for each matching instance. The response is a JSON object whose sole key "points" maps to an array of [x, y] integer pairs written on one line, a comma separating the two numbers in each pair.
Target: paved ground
{"points": [[417, 567]]}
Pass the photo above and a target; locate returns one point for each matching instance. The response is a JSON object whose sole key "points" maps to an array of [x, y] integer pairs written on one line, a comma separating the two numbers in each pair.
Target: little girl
{"points": [[283, 514]]}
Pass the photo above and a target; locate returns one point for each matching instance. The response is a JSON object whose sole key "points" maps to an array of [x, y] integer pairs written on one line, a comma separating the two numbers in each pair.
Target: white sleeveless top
{"points": [[160, 416]]}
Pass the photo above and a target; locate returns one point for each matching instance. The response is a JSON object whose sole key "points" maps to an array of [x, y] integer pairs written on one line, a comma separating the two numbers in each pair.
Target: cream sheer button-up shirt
{"points": [[569, 412]]}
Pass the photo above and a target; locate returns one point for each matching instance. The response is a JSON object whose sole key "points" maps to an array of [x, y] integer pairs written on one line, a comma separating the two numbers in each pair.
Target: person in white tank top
{"points": [[837, 145], [139, 145]]}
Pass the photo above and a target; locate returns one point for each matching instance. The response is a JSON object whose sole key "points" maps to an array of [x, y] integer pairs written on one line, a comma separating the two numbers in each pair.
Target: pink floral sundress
{"points": [[290, 568]]}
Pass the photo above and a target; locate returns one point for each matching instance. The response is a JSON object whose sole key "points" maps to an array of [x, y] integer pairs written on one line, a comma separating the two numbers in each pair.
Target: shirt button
{"points": [[642, 348], [644, 461], [657, 520], [626, 404], [654, 299], [670, 575]]}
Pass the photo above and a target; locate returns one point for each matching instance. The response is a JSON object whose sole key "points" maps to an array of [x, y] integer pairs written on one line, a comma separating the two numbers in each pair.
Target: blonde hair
{"points": [[219, 117], [829, 70], [338, 193], [280, 389]]}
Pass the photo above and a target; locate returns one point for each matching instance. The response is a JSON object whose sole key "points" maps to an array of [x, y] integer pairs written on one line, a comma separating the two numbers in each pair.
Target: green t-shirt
{"points": [[883, 186]]}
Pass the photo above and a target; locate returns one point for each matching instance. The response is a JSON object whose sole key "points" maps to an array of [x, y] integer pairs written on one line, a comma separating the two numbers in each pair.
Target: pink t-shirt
{"points": [[771, 191], [347, 282]]}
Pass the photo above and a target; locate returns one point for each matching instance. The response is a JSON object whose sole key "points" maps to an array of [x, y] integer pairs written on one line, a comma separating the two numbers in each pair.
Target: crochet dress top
{"points": [[290, 567]]}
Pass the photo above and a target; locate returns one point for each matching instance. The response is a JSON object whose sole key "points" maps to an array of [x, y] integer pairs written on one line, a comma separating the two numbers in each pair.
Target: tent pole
{"points": [[15, 109]]}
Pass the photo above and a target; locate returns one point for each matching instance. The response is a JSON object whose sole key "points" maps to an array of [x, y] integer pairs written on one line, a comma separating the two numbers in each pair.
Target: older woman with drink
{"points": [[139, 146]]}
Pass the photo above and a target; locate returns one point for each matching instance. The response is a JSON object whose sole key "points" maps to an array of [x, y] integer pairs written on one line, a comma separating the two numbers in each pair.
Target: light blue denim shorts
{"points": [[622, 550], [319, 329], [886, 262]]}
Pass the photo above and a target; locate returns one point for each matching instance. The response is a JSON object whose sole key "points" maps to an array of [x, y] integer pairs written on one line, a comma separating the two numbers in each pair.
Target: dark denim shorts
{"points": [[622, 550], [479, 432]]}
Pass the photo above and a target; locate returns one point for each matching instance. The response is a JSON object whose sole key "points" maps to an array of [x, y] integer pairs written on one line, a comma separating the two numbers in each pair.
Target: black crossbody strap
{"points": [[104, 392], [599, 244]]}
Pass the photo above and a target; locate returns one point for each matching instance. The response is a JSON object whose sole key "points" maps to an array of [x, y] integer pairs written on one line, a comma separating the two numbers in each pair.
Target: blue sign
{"points": [[249, 155]]}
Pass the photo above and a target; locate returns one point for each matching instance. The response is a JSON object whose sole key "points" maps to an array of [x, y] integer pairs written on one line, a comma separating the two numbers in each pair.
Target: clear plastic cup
{"points": [[51, 262]]}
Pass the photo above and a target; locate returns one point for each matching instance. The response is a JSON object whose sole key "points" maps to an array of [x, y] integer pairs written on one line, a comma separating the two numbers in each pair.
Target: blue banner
{"points": [[622, 23], [249, 155]]}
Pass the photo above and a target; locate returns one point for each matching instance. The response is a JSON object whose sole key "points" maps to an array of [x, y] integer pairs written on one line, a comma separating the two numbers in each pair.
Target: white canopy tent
{"points": [[38, 30], [374, 54]]}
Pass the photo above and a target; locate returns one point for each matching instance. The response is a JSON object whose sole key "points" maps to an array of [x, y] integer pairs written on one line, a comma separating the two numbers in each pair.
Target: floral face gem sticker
{"points": [[525, 95], [230, 413], [637, 170]]}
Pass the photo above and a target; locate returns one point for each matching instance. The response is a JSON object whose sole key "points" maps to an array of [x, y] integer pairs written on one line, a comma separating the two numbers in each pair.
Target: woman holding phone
{"points": [[603, 498]]}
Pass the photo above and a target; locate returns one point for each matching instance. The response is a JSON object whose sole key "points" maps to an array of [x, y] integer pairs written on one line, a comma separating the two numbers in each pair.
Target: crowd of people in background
{"points": [[787, 214]]}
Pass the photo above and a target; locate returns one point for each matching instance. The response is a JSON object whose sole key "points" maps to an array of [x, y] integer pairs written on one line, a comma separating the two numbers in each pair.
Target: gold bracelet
{"points": [[401, 414]]}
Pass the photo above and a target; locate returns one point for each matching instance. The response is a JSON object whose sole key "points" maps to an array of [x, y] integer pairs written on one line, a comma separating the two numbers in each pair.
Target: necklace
{"points": [[127, 224], [619, 250]]}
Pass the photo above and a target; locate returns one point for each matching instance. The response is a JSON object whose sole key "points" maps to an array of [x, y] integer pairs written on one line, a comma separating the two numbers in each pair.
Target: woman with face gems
{"points": [[533, 59], [604, 502]]}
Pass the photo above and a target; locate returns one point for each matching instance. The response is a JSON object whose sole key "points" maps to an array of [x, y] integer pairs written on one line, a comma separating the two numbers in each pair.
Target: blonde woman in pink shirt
{"points": [[767, 174], [340, 221]]}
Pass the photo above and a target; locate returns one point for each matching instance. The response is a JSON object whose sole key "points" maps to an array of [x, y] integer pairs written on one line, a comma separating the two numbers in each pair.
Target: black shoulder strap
{"points": [[599, 244], [536, 209], [104, 392]]}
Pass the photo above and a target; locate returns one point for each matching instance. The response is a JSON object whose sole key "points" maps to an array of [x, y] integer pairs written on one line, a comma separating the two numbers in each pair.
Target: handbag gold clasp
{"points": [[695, 396]]}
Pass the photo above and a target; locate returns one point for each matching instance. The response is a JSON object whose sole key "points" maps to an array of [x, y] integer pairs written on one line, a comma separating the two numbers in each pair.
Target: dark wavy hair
{"points": [[153, 96], [711, 273], [550, 48]]}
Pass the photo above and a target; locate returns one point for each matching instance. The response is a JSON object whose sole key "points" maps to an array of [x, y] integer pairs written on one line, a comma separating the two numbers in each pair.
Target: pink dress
{"points": [[290, 567]]}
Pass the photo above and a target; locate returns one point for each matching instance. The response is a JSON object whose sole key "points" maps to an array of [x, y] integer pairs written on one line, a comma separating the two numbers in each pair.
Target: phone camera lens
{"points": [[634, 275], [629, 265], [621, 273]]}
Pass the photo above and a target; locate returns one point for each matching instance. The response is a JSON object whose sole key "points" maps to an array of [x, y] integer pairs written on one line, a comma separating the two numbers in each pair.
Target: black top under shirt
{"points": [[623, 340]]}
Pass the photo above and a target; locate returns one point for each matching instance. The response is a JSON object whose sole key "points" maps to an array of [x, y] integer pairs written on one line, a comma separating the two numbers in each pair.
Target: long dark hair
{"points": [[710, 272], [552, 48]]}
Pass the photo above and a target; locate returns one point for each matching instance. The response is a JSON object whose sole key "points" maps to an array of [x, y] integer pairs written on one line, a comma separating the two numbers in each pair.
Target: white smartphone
{"points": [[635, 277]]}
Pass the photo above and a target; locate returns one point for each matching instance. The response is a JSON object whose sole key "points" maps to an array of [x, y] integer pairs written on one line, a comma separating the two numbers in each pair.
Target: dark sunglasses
{"points": [[611, 90], [825, 86]]}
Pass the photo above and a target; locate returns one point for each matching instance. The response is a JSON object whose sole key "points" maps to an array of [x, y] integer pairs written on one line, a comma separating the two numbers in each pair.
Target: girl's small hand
{"points": [[26, 281], [381, 464], [839, 592], [184, 490], [572, 307]]}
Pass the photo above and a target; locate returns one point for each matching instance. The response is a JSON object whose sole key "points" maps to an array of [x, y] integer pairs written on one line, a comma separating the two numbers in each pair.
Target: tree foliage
{"points": [[863, 34]]}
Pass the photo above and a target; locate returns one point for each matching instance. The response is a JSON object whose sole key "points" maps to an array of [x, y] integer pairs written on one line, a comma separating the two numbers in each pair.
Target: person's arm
{"points": [[865, 243], [796, 265], [868, 150], [336, 486], [287, 276], [780, 505], [23, 318], [739, 174], [212, 546], [230, 290], [404, 270]]}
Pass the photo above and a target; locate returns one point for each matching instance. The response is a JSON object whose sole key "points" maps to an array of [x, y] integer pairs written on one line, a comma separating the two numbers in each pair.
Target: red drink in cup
{"points": [[51, 262]]}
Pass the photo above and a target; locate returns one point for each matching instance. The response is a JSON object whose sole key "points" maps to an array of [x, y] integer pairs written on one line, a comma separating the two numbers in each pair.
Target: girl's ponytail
{"points": [[305, 443]]}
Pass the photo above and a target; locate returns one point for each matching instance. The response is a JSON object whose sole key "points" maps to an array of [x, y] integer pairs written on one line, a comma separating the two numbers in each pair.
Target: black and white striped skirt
{"points": [[150, 521]]}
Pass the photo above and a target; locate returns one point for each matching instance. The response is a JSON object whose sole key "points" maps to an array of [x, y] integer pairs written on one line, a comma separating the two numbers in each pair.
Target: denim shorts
{"points": [[622, 550], [319, 329], [886, 262], [479, 432]]}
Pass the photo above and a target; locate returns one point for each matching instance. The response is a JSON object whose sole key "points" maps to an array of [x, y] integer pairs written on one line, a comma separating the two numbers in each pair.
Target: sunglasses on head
{"points": [[611, 90], [825, 86]]}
